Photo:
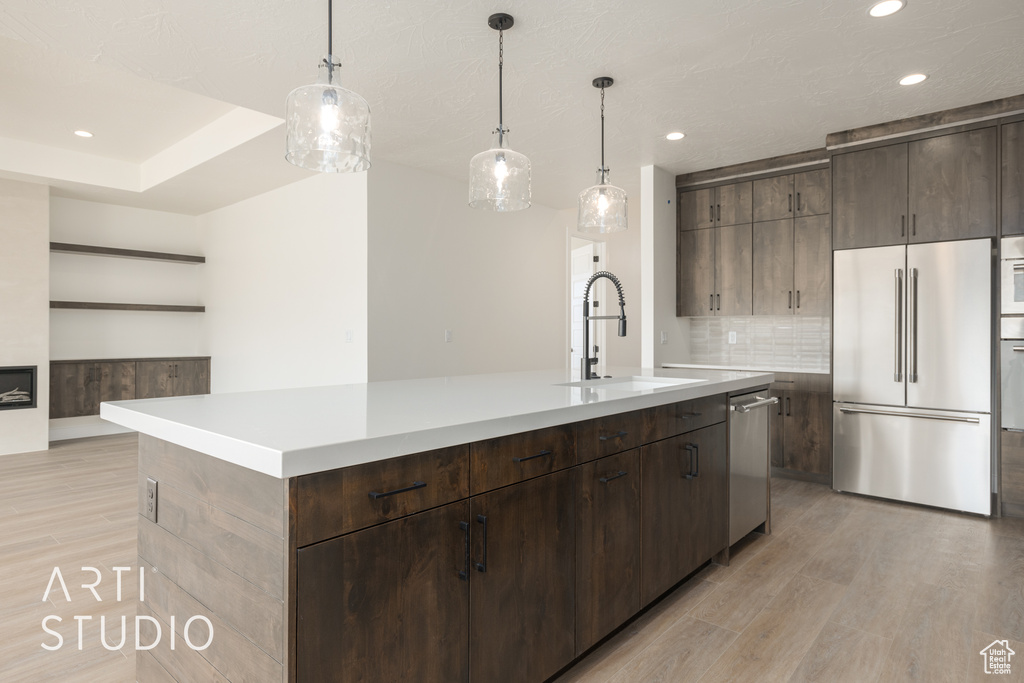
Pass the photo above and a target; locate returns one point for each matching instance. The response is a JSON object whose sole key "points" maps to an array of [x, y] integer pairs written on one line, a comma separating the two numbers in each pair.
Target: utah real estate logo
{"points": [[997, 657]]}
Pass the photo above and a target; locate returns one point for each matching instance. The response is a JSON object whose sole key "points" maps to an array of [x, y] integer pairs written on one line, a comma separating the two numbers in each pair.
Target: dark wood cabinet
{"points": [[695, 293], [792, 273], [787, 196], [1013, 178], [522, 592], [773, 267], [78, 388], [607, 545], [173, 377], [684, 516], [733, 267], [812, 265], [953, 182], [1011, 472], [933, 189], [715, 206], [870, 197], [389, 603], [800, 426]]}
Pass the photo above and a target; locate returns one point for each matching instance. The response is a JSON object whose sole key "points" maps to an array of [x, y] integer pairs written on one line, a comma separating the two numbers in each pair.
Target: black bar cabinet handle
{"points": [[719, 212], [913, 223], [613, 436], [797, 201], [798, 298], [711, 298], [482, 566], [791, 202], [719, 302], [903, 222], [711, 213], [696, 460], [791, 298], [605, 480], [531, 457], [689, 465], [464, 572], [415, 485]]}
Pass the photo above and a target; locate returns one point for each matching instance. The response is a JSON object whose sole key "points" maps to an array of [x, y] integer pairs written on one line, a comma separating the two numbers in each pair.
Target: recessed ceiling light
{"points": [[83, 133], [886, 7], [675, 136], [912, 79]]}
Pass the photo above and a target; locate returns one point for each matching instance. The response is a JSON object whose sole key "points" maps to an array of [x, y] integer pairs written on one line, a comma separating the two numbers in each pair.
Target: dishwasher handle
{"points": [[757, 403]]}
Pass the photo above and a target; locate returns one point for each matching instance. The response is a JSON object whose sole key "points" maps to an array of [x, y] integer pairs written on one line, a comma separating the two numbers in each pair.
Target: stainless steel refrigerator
{"points": [[912, 373]]}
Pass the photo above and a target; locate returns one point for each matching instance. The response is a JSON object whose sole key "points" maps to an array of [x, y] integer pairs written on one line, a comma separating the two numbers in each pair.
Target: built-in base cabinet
{"points": [[1012, 473], [512, 583], [800, 427]]}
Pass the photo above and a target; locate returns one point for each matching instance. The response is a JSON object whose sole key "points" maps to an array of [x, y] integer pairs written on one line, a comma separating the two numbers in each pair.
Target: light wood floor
{"points": [[845, 589]]}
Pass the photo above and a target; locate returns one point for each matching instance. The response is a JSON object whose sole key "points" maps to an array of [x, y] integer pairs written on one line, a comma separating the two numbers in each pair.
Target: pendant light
{"points": [[499, 179], [602, 208], [328, 126]]}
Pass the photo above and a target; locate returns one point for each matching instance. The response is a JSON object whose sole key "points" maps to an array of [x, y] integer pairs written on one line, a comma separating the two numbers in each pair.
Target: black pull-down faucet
{"points": [[587, 361]]}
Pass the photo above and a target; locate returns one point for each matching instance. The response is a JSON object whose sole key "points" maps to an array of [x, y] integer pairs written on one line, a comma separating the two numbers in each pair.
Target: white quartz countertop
{"points": [[290, 432], [804, 371]]}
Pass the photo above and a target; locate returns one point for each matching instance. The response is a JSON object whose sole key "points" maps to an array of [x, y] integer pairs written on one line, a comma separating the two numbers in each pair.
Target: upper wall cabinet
{"points": [[938, 188], [715, 206], [1013, 178], [788, 196], [714, 271]]}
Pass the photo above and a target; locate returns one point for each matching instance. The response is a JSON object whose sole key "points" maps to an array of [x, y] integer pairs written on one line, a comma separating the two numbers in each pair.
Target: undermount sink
{"points": [[633, 384]]}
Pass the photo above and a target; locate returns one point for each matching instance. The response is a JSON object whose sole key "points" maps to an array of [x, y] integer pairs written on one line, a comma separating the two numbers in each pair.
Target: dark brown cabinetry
{"points": [[175, 377], [607, 545], [77, 387], [1013, 178], [680, 524], [715, 206], [788, 196], [695, 286], [1012, 473], [792, 266], [927, 190], [733, 263], [387, 603], [522, 590], [714, 271], [800, 426]]}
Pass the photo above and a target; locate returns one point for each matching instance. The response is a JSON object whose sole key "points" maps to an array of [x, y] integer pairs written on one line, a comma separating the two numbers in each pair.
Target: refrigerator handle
{"points": [[897, 375], [912, 327]]}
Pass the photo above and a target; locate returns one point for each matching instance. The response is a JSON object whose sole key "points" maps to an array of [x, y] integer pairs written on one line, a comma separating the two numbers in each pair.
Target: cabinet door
{"points": [[870, 189], [777, 427], [607, 545], [696, 266], [813, 192], [733, 270], [74, 389], [191, 377], [154, 378], [733, 204], [697, 209], [1013, 178], [773, 267], [808, 431], [369, 612], [522, 589], [953, 186], [773, 198], [684, 517], [812, 265], [117, 381]]}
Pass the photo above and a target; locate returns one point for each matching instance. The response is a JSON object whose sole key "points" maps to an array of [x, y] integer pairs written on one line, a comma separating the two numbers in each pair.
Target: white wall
{"points": [[24, 307], [284, 282], [658, 258], [498, 281]]}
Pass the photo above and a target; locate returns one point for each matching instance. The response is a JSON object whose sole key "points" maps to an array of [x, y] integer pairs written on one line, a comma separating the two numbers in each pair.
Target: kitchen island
{"points": [[484, 528]]}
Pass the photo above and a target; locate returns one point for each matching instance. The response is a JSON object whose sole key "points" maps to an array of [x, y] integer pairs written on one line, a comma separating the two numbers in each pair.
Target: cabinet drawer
{"points": [[678, 418], [508, 459], [607, 435], [339, 501]]}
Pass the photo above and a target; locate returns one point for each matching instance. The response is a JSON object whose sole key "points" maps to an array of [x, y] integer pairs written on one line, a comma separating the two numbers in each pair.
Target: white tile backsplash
{"points": [[784, 341]]}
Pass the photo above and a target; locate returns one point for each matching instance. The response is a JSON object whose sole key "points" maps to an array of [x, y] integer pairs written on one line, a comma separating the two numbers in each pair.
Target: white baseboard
{"points": [[80, 427]]}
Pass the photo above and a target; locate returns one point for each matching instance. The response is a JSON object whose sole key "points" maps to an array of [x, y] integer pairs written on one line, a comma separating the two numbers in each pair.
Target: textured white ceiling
{"points": [[745, 79]]}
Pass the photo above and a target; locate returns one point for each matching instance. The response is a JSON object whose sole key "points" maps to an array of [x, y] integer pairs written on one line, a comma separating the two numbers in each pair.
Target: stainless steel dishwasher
{"points": [[748, 462]]}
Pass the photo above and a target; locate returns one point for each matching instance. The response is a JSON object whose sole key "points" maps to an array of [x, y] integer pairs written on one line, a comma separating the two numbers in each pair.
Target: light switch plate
{"points": [[149, 504], [447, 336], [664, 337], [732, 337]]}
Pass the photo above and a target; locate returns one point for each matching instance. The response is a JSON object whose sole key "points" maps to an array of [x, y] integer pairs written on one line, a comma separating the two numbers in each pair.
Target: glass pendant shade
{"points": [[499, 179], [602, 208], [328, 126]]}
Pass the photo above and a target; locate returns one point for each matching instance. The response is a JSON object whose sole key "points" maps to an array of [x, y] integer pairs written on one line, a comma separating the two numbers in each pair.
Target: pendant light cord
{"points": [[330, 41], [603, 170], [501, 65]]}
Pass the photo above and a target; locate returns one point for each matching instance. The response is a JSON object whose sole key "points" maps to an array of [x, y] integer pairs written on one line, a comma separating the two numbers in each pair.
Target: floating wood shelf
{"points": [[64, 248], [97, 306]]}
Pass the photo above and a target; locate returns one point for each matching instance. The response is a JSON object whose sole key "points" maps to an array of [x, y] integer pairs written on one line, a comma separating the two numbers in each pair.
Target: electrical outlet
{"points": [[149, 504], [732, 337], [447, 336], [349, 336], [664, 337]]}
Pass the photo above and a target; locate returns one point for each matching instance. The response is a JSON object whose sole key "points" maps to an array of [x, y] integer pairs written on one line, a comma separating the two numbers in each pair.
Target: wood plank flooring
{"points": [[845, 589]]}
